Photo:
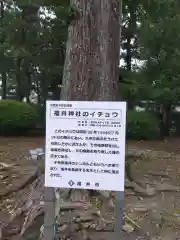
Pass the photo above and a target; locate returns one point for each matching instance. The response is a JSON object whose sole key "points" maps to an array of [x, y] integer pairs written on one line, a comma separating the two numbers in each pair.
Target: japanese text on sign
{"points": [[85, 144], [88, 113]]}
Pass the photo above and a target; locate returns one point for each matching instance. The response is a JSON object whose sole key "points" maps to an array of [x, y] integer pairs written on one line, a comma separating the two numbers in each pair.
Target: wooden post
{"points": [[49, 219]]}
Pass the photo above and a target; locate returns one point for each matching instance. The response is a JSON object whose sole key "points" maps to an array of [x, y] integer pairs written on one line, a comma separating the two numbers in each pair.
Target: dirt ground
{"points": [[155, 216]]}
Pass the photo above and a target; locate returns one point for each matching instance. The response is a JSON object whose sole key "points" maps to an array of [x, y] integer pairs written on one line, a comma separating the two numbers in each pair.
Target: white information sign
{"points": [[85, 145]]}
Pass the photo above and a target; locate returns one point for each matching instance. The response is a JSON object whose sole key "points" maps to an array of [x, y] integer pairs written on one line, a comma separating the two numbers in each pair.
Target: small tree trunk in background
{"points": [[165, 120], [19, 88], [128, 56], [91, 70], [132, 25], [56, 92], [4, 86], [44, 88], [28, 76], [3, 74]]}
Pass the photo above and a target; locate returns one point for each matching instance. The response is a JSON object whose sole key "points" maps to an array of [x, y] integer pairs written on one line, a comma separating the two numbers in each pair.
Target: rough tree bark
{"points": [[91, 70], [92, 54]]}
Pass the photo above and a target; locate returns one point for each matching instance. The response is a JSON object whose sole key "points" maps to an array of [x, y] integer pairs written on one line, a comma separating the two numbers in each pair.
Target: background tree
{"points": [[34, 36], [160, 48]]}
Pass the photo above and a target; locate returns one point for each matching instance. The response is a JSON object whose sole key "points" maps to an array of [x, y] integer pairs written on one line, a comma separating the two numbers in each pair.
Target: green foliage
{"points": [[41, 111], [142, 126], [33, 43], [17, 118], [134, 89], [73, 14], [159, 37], [156, 41]]}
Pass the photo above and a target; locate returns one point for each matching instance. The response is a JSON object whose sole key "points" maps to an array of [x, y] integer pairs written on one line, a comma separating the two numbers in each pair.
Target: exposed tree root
{"points": [[32, 172], [29, 207], [31, 203]]}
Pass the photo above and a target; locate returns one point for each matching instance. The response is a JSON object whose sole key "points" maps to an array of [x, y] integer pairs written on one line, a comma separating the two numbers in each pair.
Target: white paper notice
{"points": [[85, 145]]}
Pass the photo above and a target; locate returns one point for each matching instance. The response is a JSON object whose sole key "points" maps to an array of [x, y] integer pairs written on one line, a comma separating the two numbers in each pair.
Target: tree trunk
{"points": [[4, 85], [128, 54], [19, 87], [165, 123], [2, 39], [131, 32], [44, 88], [91, 70], [29, 83], [92, 54], [56, 91]]}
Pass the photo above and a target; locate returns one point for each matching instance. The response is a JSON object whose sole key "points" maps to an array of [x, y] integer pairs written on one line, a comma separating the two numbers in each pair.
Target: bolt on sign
{"points": [[85, 145]]}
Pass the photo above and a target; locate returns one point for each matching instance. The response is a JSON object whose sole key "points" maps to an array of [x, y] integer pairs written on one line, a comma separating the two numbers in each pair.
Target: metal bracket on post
{"points": [[119, 211], [49, 219]]}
